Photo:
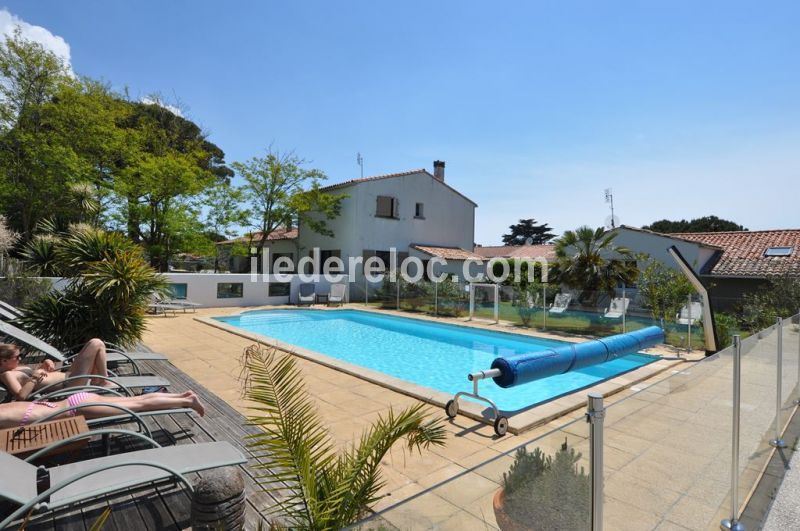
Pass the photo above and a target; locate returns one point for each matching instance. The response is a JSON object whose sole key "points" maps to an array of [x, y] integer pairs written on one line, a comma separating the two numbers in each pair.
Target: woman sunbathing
{"points": [[23, 413], [21, 380]]}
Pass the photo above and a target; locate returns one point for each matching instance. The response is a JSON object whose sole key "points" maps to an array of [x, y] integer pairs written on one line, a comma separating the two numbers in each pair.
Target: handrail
{"points": [[91, 433]]}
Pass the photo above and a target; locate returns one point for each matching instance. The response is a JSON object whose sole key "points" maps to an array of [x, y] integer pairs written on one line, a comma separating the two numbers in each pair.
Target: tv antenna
{"points": [[360, 162], [611, 221]]}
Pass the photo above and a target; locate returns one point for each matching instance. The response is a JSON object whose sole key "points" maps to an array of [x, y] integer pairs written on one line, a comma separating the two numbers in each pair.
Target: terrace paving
{"points": [[664, 445]]}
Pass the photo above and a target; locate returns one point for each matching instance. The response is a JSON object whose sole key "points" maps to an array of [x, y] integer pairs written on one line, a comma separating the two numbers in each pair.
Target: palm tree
{"points": [[588, 260], [318, 487]]}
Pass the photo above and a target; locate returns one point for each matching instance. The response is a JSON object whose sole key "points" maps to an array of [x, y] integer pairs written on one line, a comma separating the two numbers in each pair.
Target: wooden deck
{"points": [[167, 506]]}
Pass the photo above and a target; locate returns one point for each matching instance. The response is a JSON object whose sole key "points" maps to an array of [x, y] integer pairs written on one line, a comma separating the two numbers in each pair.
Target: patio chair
{"points": [[175, 304], [690, 313], [307, 294], [617, 308], [75, 483], [560, 303], [336, 295]]}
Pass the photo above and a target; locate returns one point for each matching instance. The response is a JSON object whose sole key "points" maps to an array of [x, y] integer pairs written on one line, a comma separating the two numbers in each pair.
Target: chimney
{"points": [[438, 169]]}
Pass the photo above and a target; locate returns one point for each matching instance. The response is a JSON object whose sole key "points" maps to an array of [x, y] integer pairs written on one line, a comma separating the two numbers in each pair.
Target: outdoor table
{"points": [[24, 441]]}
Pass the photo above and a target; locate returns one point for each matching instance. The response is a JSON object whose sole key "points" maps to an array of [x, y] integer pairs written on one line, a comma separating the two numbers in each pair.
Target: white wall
{"points": [[449, 218], [656, 246]]}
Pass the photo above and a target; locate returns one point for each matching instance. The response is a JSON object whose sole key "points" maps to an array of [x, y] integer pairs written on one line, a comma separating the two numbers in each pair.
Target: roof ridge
{"points": [[732, 232]]}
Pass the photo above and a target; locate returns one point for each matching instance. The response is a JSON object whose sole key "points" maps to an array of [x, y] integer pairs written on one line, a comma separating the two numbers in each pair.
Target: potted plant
{"points": [[544, 492]]}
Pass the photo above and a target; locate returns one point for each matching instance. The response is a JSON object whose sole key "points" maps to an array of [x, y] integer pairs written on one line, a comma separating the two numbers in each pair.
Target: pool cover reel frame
{"points": [[500, 421], [518, 369]]}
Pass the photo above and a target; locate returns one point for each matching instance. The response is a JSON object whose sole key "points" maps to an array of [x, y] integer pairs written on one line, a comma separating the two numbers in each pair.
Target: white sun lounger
{"points": [[336, 295], [75, 483], [560, 303], [617, 308], [307, 294], [689, 314]]}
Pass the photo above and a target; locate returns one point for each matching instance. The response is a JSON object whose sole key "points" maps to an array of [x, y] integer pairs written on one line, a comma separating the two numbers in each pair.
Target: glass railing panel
{"points": [[667, 451], [543, 484]]}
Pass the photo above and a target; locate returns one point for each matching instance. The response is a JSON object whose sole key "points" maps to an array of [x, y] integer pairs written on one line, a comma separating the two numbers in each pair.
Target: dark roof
{"points": [[392, 175], [743, 252]]}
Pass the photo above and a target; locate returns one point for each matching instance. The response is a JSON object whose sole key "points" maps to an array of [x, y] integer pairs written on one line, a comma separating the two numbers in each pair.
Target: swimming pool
{"points": [[434, 355]]}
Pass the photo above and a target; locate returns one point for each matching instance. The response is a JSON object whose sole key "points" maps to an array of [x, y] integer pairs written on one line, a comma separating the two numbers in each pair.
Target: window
{"points": [[387, 207], [779, 251], [330, 253], [230, 290], [284, 268], [278, 289], [177, 291], [418, 211]]}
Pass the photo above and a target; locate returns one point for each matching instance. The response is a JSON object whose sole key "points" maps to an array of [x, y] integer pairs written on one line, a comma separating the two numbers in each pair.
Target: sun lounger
{"points": [[336, 295], [307, 294], [560, 303], [7, 315], [53, 353], [11, 309], [617, 308], [74, 483], [689, 314]]}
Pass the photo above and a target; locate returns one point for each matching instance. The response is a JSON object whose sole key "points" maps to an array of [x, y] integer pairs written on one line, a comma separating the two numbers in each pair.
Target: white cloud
{"points": [[153, 100], [54, 43]]}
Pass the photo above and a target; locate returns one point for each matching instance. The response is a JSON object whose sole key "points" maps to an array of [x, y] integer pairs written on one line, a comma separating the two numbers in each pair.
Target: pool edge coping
{"points": [[517, 423]]}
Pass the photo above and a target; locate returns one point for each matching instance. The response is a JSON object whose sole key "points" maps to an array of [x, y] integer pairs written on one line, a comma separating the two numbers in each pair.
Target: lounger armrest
{"points": [[36, 503], [83, 405], [78, 436], [84, 377]]}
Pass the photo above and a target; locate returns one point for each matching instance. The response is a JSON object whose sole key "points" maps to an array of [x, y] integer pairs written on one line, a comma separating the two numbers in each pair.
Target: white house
{"points": [[414, 212]]}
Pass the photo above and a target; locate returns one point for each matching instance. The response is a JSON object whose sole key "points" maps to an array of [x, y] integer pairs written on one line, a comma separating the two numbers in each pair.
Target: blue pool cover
{"points": [[520, 369]]}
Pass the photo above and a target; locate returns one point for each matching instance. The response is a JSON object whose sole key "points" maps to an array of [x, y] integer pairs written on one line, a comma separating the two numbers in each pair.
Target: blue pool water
{"points": [[434, 355]]}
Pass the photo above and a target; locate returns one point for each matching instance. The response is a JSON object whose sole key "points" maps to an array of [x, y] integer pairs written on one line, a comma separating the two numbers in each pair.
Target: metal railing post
{"points": [[471, 301], [732, 522], [435, 299], [777, 442], [496, 303], [595, 414], [624, 308], [544, 307], [397, 280], [689, 325]]}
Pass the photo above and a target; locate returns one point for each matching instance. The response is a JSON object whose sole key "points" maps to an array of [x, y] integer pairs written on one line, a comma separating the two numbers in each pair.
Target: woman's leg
{"points": [[148, 402], [90, 360]]}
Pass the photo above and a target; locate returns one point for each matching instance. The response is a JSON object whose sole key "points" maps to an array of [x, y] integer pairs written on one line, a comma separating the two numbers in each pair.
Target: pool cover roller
{"points": [[524, 368]]}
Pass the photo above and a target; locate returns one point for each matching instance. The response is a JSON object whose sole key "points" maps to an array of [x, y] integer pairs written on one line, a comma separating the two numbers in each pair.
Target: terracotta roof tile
{"points": [[743, 252], [392, 175], [448, 253], [517, 251], [277, 234]]}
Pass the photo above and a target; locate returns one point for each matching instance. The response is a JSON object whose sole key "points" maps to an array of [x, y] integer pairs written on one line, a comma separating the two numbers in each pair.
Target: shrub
{"points": [[726, 327], [109, 285], [780, 298], [548, 491]]}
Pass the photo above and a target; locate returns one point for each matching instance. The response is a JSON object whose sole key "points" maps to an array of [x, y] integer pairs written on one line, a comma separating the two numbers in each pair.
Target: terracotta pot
{"points": [[504, 520]]}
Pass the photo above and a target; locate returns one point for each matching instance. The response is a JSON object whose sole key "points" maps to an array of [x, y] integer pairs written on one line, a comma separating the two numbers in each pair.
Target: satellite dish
{"points": [[612, 222], [529, 241]]}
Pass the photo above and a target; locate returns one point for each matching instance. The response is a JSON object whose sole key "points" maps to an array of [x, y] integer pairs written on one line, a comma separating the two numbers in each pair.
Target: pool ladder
{"points": [[500, 421]]}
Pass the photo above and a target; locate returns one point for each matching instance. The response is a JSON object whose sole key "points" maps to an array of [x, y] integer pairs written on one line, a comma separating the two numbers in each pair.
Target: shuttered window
{"points": [[387, 207]]}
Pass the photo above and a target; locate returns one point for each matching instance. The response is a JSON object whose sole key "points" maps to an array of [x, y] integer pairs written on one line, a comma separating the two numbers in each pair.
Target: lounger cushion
{"points": [[185, 458], [17, 480]]}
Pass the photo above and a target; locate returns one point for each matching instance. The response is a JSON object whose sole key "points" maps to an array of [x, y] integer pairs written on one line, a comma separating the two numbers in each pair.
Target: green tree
{"points": [[664, 290], [282, 193], [779, 298], [173, 164], [108, 290], [225, 212], [527, 231], [589, 261], [320, 488], [704, 224]]}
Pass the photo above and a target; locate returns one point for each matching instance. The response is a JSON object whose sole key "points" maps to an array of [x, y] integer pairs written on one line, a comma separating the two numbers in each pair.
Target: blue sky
{"points": [[685, 109]]}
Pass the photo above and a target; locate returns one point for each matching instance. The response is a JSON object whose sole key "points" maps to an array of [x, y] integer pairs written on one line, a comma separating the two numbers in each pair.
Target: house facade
{"points": [[414, 212]]}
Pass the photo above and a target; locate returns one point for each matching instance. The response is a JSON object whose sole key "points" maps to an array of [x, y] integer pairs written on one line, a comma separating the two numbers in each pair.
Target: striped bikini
{"points": [[72, 400]]}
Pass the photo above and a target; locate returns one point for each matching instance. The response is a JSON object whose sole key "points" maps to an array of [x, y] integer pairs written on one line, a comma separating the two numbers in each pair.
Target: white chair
{"points": [[617, 308], [336, 295], [307, 294], [690, 313], [560, 303]]}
